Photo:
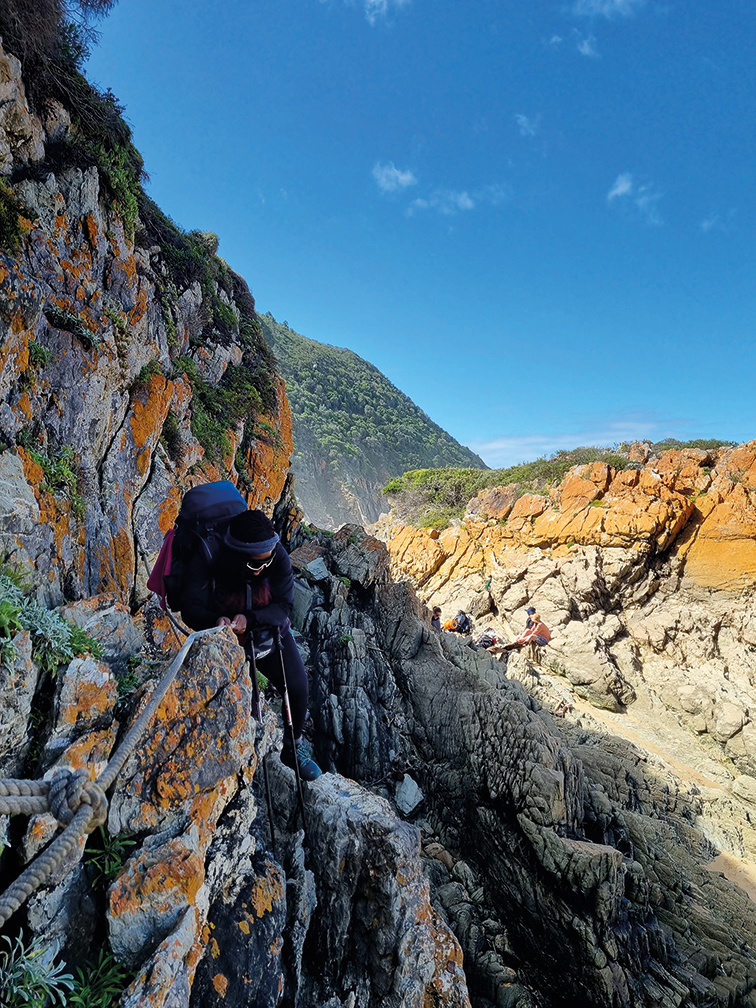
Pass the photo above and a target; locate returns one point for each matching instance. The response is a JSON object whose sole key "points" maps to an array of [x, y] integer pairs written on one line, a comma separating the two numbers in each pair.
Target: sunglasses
{"points": [[259, 566]]}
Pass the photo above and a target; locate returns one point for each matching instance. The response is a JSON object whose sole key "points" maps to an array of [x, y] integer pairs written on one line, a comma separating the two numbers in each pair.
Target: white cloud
{"points": [[528, 127], [446, 201], [587, 45], [506, 451], [622, 187], [453, 201], [716, 222], [390, 178], [643, 197], [556, 40], [607, 8], [377, 9]]}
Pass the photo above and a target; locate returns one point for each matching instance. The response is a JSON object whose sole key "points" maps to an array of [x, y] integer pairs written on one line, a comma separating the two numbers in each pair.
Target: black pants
{"points": [[296, 680]]}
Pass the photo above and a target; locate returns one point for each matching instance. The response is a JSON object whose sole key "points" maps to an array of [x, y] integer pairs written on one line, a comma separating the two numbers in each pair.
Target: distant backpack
{"points": [[487, 639], [460, 624], [202, 520]]}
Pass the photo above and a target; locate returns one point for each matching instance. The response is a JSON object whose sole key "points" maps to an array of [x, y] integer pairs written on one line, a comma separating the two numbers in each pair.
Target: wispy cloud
{"points": [[506, 451], [586, 45], [376, 10], [453, 201], [643, 197], [446, 201], [607, 8], [528, 127], [389, 178], [622, 187], [716, 222]]}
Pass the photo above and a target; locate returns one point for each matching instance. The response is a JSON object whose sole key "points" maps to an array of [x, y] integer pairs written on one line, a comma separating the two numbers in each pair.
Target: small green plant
{"points": [[127, 683], [72, 323], [99, 985], [598, 503], [60, 476], [345, 639], [54, 640], [82, 643], [150, 369], [39, 356], [29, 975], [10, 624], [262, 682], [107, 859], [346, 581], [170, 436], [10, 225]]}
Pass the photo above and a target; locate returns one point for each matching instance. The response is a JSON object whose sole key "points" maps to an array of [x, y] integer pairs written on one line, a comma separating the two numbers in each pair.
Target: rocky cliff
{"points": [[466, 847], [131, 365], [646, 577]]}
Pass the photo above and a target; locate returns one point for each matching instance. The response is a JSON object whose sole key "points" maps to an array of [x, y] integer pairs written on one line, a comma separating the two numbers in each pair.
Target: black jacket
{"points": [[227, 589]]}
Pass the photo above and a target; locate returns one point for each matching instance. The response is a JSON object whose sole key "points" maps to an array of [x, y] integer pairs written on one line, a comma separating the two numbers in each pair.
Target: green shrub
{"points": [[433, 498], [151, 368], [100, 984], [107, 855], [60, 477], [54, 640], [72, 323], [82, 643], [216, 408], [39, 356], [29, 976], [170, 436], [10, 225]]}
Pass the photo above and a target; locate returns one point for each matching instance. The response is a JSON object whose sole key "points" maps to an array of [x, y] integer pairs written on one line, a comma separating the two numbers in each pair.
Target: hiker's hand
{"points": [[239, 624], [223, 621]]}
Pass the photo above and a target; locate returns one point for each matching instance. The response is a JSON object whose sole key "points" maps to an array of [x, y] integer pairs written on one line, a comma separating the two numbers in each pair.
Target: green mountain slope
{"points": [[353, 429]]}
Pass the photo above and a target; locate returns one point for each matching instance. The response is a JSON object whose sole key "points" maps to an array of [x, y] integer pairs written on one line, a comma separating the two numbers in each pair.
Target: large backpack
{"points": [[202, 520], [460, 624], [487, 639]]}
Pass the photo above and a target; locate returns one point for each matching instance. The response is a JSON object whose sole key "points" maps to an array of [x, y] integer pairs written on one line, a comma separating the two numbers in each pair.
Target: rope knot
{"points": [[69, 790]]}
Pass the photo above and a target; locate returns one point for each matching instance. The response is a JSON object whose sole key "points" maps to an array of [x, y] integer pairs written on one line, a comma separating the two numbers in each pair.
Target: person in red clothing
{"points": [[537, 633]]}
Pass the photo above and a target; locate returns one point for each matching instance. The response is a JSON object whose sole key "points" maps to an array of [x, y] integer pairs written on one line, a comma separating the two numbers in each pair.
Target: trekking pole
{"points": [[290, 724], [250, 649]]}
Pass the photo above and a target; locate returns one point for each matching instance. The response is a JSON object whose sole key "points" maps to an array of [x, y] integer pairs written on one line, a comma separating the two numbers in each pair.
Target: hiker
{"points": [[529, 621], [250, 588], [436, 619], [537, 633]]}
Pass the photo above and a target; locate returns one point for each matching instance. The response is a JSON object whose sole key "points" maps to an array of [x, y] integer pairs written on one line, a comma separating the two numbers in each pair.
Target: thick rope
{"points": [[76, 801]]}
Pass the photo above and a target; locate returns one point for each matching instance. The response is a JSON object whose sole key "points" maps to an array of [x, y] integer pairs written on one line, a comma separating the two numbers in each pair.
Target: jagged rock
{"points": [[109, 621], [375, 932], [571, 859], [408, 795], [18, 683]]}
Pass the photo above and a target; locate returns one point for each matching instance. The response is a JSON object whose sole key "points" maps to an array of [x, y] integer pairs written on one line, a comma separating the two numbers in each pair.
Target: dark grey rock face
{"points": [[593, 868]]}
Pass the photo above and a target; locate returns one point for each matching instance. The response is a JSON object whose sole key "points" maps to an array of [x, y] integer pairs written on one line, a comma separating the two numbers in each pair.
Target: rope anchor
{"points": [[78, 803]]}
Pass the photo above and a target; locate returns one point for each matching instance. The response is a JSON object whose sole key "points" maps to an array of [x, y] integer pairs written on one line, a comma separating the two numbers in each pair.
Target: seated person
{"points": [[538, 633]]}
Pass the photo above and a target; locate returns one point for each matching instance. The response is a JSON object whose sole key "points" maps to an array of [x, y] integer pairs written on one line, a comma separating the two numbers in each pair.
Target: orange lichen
{"points": [[267, 890], [221, 984]]}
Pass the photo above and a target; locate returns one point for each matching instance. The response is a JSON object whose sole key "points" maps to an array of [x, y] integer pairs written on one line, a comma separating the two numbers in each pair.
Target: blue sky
{"points": [[536, 218]]}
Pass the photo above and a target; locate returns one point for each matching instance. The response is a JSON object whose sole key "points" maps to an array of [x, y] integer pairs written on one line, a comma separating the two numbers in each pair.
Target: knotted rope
{"points": [[77, 802]]}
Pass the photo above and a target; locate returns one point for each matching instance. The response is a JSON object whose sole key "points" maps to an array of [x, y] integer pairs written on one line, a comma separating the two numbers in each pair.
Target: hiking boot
{"points": [[308, 768]]}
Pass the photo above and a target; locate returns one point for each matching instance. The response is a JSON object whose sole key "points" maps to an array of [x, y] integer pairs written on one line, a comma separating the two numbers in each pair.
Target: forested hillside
{"points": [[353, 429]]}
